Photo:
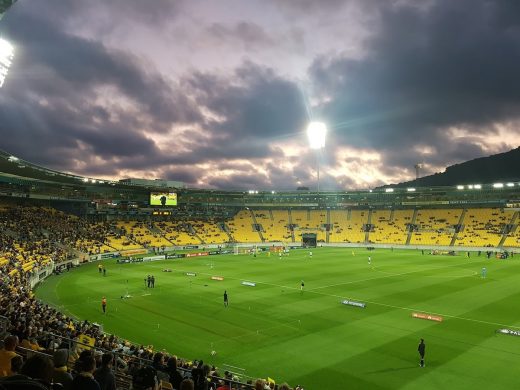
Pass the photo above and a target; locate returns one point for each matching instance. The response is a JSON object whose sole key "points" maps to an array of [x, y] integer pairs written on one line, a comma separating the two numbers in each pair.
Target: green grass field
{"points": [[310, 338]]}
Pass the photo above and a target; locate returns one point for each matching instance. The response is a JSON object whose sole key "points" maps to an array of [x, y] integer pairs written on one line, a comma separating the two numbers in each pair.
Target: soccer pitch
{"points": [[309, 337]]}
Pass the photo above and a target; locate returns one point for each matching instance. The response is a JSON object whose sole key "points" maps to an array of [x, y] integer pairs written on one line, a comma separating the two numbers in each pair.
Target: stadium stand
{"points": [[280, 230], [483, 227], [435, 226], [242, 227], [178, 232], [347, 225], [209, 231], [389, 226]]}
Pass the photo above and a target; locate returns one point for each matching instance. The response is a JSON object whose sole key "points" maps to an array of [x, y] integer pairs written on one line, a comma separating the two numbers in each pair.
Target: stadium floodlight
{"points": [[510, 184], [470, 186], [12, 158], [389, 190], [477, 186], [460, 187], [316, 132], [85, 179], [6, 59], [273, 192], [498, 185], [410, 189]]}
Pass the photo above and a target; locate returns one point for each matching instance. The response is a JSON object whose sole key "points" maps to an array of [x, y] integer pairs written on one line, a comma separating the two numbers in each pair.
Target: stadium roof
{"points": [[5, 5]]}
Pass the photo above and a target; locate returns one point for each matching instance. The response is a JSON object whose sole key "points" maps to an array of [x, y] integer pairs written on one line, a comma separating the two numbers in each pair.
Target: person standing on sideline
{"points": [[226, 302], [421, 348], [104, 305]]}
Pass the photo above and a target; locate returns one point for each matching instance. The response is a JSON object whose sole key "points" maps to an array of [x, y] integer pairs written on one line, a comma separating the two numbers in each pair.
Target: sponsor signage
{"points": [[197, 254], [132, 252], [425, 316], [220, 278], [175, 256], [191, 247], [250, 284], [353, 303], [154, 258], [191, 274], [226, 251], [510, 332], [107, 255]]}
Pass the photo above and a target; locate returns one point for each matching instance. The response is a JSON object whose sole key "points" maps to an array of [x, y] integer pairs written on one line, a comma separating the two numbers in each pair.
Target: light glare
{"points": [[316, 132], [6, 59]]}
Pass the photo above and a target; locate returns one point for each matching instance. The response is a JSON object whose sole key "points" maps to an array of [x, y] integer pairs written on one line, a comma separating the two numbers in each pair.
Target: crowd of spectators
{"points": [[53, 342]]}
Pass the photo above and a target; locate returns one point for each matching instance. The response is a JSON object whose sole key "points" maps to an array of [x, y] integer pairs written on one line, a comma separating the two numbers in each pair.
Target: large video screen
{"points": [[163, 199]]}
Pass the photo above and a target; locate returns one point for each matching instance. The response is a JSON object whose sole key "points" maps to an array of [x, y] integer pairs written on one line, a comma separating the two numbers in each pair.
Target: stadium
{"points": [[308, 288]]}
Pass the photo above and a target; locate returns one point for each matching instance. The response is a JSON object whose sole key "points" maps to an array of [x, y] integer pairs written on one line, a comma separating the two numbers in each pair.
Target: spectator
{"points": [[145, 379], [85, 378], [175, 376], [39, 367], [6, 354], [104, 375], [187, 384], [61, 374]]}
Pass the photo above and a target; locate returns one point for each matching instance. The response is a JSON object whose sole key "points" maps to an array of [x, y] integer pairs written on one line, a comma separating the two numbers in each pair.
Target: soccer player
{"points": [[310, 254], [152, 281], [100, 267], [421, 348], [104, 305], [226, 302], [302, 285], [104, 271], [369, 260], [483, 273]]}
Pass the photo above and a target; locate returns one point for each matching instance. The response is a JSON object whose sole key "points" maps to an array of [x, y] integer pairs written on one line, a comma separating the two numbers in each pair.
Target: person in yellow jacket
{"points": [[6, 354]]}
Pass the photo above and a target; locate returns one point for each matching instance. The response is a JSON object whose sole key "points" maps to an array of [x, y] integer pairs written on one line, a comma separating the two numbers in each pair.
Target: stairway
{"points": [[461, 223]]}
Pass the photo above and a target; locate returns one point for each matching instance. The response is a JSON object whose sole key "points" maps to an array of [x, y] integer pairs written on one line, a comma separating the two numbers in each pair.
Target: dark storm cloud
{"points": [[255, 102], [453, 63], [72, 98]]}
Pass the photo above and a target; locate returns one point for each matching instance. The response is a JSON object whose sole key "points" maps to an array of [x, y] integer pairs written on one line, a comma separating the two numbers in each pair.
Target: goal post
{"points": [[241, 249]]}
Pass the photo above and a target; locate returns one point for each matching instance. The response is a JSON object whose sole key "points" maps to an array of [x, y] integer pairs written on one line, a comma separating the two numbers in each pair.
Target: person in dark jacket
{"points": [[175, 376], [421, 349], [85, 378], [61, 374], [104, 375]]}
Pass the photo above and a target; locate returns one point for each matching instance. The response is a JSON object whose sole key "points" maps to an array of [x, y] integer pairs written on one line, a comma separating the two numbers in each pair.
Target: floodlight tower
{"points": [[6, 59], [316, 132], [417, 167]]}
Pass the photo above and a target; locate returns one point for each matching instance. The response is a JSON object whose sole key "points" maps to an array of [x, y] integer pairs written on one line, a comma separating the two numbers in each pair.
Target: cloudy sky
{"points": [[218, 93]]}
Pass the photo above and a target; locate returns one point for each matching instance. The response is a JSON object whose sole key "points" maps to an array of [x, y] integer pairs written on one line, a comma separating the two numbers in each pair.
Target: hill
{"points": [[502, 167]]}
